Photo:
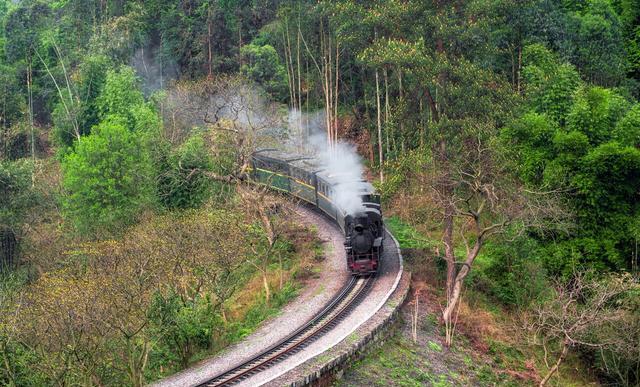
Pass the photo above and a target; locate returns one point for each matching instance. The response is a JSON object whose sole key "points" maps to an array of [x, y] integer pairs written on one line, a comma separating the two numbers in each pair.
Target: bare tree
{"points": [[582, 307], [263, 208], [70, 102], [327, 64], [478, 198]]}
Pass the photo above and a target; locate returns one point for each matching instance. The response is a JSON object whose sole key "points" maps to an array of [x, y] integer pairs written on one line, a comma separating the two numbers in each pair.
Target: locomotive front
{"points": [[364, 236], [348, 200]]}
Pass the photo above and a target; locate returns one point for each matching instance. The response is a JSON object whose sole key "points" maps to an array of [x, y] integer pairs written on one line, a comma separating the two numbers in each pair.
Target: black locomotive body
{"points": [[304, 178]]}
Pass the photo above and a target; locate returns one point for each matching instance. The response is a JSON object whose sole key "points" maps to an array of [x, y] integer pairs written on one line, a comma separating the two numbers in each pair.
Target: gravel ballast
{"points": [[322, 360]]}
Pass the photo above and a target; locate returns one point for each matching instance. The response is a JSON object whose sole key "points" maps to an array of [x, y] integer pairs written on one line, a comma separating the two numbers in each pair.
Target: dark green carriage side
{"points": [[271, 171], [324, 198], [303, 180]]}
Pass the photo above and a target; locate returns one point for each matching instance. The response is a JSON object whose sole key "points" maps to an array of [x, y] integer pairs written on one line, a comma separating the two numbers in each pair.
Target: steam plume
{"points": [[341, 162]]}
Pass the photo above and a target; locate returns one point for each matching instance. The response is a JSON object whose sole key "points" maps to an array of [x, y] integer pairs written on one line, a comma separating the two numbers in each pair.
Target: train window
{"points": [[260, 163], [272, 165]]}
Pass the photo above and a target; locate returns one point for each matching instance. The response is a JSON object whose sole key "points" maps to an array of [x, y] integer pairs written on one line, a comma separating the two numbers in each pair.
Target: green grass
{"points": [[397, 363], [407, 236], [260, 312], [435, 346]]}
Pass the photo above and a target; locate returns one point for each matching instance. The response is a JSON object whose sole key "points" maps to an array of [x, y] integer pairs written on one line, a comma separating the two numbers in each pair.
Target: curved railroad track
{"points": [[334, 312]]}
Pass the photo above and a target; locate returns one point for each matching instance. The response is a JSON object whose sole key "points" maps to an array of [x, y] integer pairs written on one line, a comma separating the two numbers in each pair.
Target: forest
{"points": [[503, 136]]}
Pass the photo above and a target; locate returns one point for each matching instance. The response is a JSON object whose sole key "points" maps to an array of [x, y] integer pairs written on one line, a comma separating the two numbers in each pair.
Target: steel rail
{"points": [[334, 312]]}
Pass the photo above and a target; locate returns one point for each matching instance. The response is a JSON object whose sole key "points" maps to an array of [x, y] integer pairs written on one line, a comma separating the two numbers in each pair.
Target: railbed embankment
{"points": [[325, 368]]}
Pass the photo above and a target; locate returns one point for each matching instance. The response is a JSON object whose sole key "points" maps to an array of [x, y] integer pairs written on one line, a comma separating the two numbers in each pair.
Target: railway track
{"points": [[335, 311]]}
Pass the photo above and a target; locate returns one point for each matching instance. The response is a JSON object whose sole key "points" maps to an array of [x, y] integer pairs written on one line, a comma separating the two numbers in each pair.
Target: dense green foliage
{"points": [[183, 182], [264, 67], [16, 192], [107, 179], [535, 96], [580, 138], [182, 326]]}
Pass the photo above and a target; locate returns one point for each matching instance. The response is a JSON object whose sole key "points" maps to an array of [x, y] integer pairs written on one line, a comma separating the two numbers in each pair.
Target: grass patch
{"points": [[259, 312], [397, 363], [435, 346], [407, 236]]}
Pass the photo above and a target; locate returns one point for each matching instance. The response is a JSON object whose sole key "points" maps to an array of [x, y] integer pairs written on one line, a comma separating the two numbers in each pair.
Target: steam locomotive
{"points": [[304, 178]]}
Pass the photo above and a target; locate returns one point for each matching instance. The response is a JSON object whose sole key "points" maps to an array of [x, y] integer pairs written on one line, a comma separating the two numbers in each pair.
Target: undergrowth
{"points": [[490, 347]]}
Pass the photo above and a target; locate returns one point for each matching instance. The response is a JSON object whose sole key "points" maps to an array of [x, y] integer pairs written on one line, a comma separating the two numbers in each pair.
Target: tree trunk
{"points": [[294, 96], [281, 271], [514, 81], [386, 109], [137, 364], [265, 283], [210, 50], [31, 126], [336, 94], [454, 297], [415, 316], [5, 130], [239, 41], [454, 288], [401, 120], [290, 75], [563, 354], [519, 72], [422, 128], [379, 118], [299, 65]]}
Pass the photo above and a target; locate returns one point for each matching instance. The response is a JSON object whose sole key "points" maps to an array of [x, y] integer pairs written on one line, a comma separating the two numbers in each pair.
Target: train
{"points": [[306, 179]]}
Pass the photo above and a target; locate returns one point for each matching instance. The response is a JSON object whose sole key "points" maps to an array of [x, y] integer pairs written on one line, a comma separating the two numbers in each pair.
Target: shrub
{"points": [[183, 183], [17, 197], [182, 326], [107, 179], [513, 273]]}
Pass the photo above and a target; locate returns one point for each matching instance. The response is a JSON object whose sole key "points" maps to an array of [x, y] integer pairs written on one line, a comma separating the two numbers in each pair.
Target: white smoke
{"points": [[340, 161], [155, 71]]}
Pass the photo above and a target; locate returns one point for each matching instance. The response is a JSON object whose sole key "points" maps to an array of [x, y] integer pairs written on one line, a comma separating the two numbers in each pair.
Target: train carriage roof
{"points": [[277, 154], [308, 164], [363, 186], [312, 165]]}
